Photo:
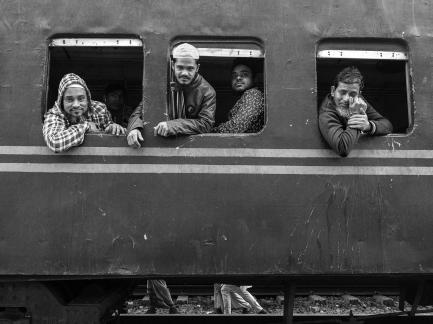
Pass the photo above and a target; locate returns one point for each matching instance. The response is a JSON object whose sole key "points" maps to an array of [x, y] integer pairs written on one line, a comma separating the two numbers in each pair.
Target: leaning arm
{"points": [[202, 124], [383, 125], [136, 119], [340, 138], [58, 137]]}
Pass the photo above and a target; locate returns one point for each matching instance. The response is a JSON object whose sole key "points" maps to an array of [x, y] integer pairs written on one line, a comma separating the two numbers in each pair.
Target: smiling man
{"points": [[344, 114], [193, 100], [74, 114]]}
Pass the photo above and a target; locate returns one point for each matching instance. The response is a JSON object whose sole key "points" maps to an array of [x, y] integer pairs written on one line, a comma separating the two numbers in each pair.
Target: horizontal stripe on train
{"points": [[212, 169], [114, 159], [218, 152]]}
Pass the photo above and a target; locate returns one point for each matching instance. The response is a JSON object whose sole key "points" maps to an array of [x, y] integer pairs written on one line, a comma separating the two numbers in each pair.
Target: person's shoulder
{"points": [[327, 112], [206, 85], [326, 105], [98, 107], [254, 92], [54, 112], [369, 106]]}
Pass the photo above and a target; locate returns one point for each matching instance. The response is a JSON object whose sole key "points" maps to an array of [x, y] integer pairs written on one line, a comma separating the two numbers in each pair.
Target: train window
{"points": [[385, 67], [100, 62], [216, 61]]}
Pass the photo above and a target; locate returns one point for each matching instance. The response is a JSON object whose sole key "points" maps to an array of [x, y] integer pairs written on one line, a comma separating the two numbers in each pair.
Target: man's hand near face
{"points": [[357, 105], [358, 120], [163, 129]]}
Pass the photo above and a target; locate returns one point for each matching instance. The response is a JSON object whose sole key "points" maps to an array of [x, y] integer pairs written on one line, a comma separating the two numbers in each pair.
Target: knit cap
{"points": [[185, 50]]}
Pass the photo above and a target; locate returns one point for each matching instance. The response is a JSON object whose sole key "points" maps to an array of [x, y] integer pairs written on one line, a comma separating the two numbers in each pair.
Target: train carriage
{"points": [[277, 205]]}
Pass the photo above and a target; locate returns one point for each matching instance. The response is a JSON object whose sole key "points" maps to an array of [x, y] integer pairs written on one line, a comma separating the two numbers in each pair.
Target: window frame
{"points": [[85, 40], [214, 45], [364, 49]]}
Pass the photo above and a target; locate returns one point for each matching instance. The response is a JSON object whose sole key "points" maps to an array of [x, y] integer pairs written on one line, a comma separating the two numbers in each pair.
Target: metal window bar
{"points": [[230, 52], [171, 109], [365, 55], [96, 42]]}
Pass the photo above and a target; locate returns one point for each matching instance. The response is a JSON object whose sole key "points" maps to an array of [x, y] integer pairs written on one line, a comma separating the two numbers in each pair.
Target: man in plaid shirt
{"points": [[74, 114]]}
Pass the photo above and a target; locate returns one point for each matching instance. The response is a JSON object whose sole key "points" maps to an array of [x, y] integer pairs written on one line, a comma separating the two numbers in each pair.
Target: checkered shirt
{"points": [[60, 134]]}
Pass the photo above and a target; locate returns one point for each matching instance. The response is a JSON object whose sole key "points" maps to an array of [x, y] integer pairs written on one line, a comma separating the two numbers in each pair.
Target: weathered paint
{"points": [[357, 224], [203, 223]]}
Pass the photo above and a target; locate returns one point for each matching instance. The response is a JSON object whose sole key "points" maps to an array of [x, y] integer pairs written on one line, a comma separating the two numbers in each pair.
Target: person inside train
{"points": [[192, 100], [241, 297], [74, 114], [344, 114], [247, 115], [114, 97], [159, 296]]}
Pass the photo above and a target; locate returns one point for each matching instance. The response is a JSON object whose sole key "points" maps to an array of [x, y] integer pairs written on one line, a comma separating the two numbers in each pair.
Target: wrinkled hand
{"points": [[92, 127], [357, 106], [115, 129], [134, 138], [358, 119], [162, 129], [360, 122]]}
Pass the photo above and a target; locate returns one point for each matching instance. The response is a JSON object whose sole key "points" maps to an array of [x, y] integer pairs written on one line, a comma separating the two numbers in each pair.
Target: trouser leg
{"points": [[159, 295], [227, 300], [217, 297], [238, 301], [250, 298], [232, 293]]}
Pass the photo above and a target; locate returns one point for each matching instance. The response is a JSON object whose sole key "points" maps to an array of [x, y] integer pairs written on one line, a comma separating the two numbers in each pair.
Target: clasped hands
{"points": [[359, 119]]}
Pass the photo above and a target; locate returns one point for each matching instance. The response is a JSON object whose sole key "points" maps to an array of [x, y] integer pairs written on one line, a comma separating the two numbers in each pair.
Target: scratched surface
{"points": [[214, 224], [241, 225]]}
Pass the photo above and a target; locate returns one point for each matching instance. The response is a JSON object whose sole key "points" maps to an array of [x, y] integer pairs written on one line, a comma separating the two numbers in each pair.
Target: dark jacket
{"points": [[335, 131], [200, 104]]}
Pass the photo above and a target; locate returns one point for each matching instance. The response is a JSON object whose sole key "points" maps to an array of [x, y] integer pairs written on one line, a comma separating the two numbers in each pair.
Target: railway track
{"points": [[266, 319], [266, 290], [196, 306]]}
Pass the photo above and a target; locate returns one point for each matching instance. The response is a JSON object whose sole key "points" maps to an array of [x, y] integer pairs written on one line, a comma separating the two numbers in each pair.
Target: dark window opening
{"points": [[100, 62], [216, 62], [384, 66]]}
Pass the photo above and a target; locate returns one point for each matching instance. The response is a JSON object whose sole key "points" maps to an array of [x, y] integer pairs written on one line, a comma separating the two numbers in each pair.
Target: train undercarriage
{"points": [[102, 300]]}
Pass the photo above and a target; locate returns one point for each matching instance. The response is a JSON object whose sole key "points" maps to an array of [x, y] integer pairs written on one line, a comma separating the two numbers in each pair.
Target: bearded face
{"points": [[342, 95]]}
